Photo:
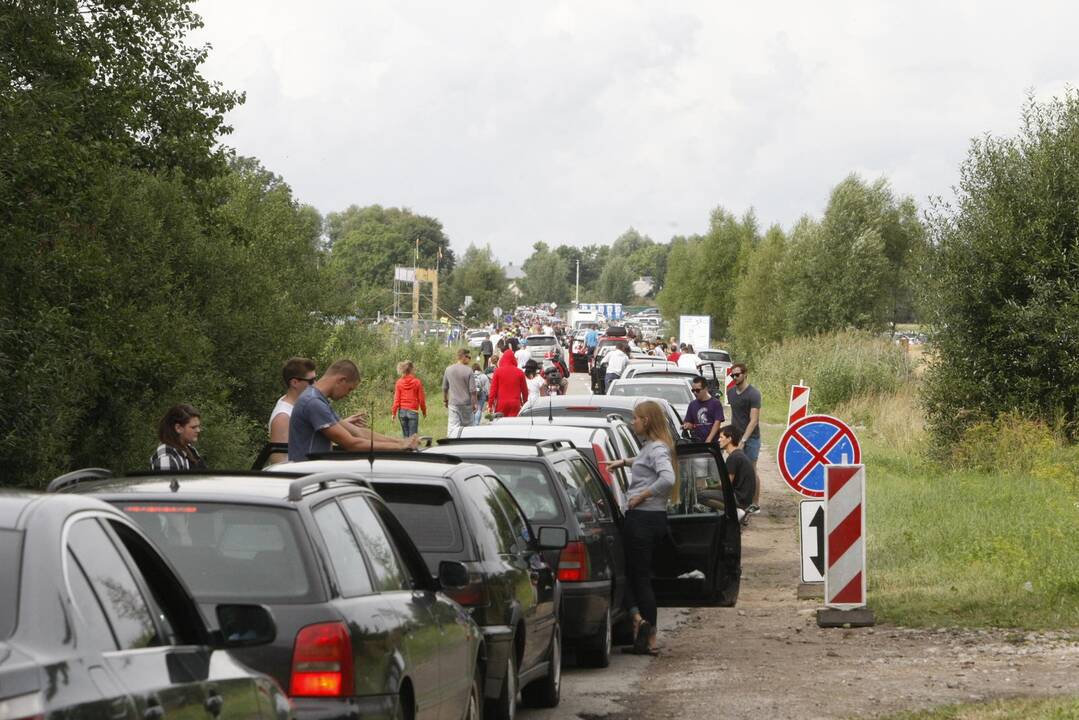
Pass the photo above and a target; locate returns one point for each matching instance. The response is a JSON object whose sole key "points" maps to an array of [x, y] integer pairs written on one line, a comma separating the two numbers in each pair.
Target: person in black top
{"points": [[486, 350], [739, 468]]}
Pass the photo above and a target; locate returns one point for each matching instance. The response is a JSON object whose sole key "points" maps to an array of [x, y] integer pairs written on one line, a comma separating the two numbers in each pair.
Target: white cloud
{"points": [[569, 122]]}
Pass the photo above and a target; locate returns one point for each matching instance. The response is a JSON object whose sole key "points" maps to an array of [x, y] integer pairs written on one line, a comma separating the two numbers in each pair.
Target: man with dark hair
{"points": [[314, 427], [739, 469], [459, 392], [704, 414], [616, 362], [486, 350], [297, 373], [745, 402]]}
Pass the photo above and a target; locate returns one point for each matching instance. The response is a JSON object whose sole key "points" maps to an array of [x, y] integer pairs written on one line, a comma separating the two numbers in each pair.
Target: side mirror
{"points": [[452, 574], [552, 538], [245, 625]]}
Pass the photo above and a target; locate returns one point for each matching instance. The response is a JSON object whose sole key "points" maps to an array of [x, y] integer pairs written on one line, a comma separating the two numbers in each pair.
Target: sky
{"points": [[570, 122]]}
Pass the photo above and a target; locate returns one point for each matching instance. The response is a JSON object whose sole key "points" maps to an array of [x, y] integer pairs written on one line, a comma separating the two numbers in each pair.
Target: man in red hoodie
{"points": [[509, 390]]}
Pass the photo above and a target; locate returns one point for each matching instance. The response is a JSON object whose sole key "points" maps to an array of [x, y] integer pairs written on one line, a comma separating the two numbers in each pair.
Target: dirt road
{"points": [[768, 660]]}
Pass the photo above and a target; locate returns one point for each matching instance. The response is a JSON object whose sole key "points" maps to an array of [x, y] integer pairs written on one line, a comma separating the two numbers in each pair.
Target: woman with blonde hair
{"points": [[654, 483], [408, 399]]}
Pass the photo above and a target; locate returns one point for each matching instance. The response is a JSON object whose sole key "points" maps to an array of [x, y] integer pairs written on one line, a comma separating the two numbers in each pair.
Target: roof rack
{"points": [[267, 450], [541, 446], [73, 478], [387, 455], [323, 479]]}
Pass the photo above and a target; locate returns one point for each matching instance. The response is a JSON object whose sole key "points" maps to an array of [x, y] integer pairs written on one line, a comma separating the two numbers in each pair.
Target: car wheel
{"points": [[597, 650], [505, 706], [547, 692], [474, 709]]}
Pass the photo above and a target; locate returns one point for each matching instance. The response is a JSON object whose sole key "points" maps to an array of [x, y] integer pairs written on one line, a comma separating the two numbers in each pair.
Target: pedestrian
{"points": [[554, 383], [459, 392], [314, 426], [522, 353], [688, 358], [740, 468], [591, 340], [408, 399], [745, 402], [178, 432], [487, 349], [661, 351], [533, 379], [675, 353], [297, 373], [653, 484], [483, 391], [704, 416], [509, 390], [616, 362]]}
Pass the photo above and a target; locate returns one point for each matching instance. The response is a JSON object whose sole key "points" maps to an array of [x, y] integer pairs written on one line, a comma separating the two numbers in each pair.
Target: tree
{"points": [[760, 299], [1002, 297], [480, 276], [616, 282], [545, 277]]}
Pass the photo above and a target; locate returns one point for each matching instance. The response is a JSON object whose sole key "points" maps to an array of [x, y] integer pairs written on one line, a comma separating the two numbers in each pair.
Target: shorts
{"points": [[752, 448]]}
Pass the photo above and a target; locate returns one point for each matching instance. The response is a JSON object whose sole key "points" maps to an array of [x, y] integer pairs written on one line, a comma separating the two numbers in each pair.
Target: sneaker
{"points": [[753, 509]]}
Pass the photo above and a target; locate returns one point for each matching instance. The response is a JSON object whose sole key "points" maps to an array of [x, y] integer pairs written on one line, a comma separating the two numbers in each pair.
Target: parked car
{"points": [[654, 371], [95, 623], [476, 338], [713, 366], [598, 406], [545, 349], [676, 391], [462, 514], [363, 628], [555, 485]]}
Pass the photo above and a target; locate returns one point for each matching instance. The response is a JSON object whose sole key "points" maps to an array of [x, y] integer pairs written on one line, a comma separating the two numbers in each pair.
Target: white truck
{"points": [[593, 313]]}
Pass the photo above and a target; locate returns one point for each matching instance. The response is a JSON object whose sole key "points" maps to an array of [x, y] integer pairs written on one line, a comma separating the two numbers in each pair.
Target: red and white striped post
{"points": [[730, 381], [844, 548], [799, 405]]}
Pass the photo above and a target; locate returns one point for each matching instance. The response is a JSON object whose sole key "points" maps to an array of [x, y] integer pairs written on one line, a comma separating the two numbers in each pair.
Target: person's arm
{"points": [[754, 418], [661, 458], [473, 392], [445, 389], [396, 399], [714, 431], [279, 428], [367, 440], [423, 400], [493, 392]]}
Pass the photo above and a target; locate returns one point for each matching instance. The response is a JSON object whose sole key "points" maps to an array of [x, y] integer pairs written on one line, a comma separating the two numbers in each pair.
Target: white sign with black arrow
{"points": [[811, 538]]}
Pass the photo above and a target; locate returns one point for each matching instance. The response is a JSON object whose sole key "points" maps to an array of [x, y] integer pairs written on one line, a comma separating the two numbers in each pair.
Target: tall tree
{"points": [[616, 282], [545, 279], [1003, 292], [479, 276], [760, 298]]}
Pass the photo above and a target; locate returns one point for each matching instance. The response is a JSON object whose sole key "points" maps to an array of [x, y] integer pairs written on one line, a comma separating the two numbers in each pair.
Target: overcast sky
{"points": [[569, 122]]}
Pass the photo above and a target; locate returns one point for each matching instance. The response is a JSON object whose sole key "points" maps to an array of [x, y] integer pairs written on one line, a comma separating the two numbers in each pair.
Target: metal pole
{"points": [[577, 295]]}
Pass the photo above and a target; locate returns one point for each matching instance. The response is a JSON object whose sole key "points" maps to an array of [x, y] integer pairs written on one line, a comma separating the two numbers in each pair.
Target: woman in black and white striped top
{"points": [[179, 431]]}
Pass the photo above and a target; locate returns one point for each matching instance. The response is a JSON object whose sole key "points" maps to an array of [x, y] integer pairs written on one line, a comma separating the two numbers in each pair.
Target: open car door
{"points": [[700, 563], [716, 385]]}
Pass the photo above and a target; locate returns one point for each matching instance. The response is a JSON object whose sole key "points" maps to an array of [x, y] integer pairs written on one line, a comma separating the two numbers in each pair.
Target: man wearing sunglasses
{"points": [[704, 416], [298, 373], [745, 402]]}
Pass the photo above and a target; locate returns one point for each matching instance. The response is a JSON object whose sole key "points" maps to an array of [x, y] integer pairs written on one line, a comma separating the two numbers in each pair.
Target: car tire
{"points": [[547, 691], [474, 709], [596, 651], [504, 707]]}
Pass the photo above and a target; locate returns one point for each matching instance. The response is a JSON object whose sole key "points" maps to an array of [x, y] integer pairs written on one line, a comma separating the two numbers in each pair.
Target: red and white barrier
{"points": [[844, 548], [799, 404], [730, 381]]}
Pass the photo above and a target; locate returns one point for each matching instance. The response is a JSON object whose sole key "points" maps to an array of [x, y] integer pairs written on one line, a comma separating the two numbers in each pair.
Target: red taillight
{"points": [[601, 462], [472, 595], [322, 662], [573, 562]]}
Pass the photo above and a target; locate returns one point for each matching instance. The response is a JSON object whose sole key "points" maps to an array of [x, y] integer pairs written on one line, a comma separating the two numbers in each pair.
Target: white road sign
{"points": [[811, 540]]}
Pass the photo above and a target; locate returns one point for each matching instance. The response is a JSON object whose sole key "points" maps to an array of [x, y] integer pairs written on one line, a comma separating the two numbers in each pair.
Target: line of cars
{"points": [[441, 584]]}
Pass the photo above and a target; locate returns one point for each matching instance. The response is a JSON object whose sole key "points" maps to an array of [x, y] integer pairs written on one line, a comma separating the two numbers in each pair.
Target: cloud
{"points": [[569, 122]]}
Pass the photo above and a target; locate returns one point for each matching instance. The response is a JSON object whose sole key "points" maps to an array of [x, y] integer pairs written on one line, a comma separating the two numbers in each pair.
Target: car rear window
{"points": [[10, 562], [531, 488], [227, 552], [428, 514], [541, 341], [715, 356]]}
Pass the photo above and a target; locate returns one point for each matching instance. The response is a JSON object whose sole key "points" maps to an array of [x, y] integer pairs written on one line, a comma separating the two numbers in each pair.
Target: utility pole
{"points": [[577, 294]]}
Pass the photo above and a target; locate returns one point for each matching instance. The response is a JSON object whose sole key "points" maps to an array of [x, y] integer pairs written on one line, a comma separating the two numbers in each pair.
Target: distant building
{"points": [[643, 286], [513, 276]]}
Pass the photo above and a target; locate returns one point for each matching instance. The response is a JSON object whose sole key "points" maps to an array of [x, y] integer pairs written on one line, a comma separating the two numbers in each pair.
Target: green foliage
{"points": [[478, 274], [1003, 295], [1066, 708], [759, 316], [616, 282], [836, 366], [545, 277]]}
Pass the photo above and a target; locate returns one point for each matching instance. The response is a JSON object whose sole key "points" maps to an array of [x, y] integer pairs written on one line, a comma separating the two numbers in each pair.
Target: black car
{"points": [[461, 513], [555, 485], [94, 623], [363, 627]]}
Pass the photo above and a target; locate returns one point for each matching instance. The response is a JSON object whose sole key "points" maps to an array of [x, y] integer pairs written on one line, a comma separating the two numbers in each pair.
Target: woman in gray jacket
{"points": [[653, 483]]}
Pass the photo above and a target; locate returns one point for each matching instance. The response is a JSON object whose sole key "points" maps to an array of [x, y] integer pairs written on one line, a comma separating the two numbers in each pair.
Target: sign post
{"points": [[799, 404], [811, 539], [844, 549]]}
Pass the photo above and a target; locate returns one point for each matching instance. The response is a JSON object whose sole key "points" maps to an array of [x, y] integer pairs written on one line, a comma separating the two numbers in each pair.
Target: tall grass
{"points": [[1065, 708]]}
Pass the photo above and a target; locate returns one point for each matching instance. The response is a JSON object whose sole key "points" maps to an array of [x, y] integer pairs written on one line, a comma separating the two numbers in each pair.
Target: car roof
{"points": [[651, 381], [492, 446], [18, 507], [180, 486], [562, 401], [382, 468], [583, 421], [543, 431], [661, 370]]}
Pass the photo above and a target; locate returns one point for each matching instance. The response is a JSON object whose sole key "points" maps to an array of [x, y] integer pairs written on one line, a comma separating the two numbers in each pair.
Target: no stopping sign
{"points": [[808, 446]]}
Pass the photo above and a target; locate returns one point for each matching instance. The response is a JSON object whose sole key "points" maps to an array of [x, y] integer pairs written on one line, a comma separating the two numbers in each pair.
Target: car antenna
{"points": [[371, 440]]}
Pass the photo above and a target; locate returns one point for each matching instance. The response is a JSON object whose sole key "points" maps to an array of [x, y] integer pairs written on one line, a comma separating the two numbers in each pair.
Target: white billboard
{"points": [[695, 330]]}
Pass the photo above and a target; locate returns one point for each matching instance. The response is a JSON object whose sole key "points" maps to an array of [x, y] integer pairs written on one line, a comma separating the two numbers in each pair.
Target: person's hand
{"points": [[611, 464], [358, 419], [412, 443], [635, 501], [687, 425], [445, 403]]}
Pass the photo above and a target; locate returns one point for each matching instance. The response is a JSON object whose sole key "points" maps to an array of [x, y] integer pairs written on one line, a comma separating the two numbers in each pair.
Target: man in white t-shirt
{"points": [[616, 362], [523, 354], [298, 374], [688, 358]]}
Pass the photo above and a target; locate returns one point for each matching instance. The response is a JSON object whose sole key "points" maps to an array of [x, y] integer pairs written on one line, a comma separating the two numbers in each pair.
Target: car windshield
{"points": [[227, 551], [676, 394], [531, 488], [541, 341], [10, 560]]}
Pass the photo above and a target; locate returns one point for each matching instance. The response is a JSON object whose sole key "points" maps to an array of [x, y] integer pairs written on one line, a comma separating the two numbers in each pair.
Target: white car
{"points": [[674, 390], [714, 364], [476, 337]]}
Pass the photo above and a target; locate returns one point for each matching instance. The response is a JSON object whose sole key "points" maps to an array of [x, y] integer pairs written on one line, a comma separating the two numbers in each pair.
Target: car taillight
{"points": [[472, 595], [573, 562], [322, 662], [601, 461]]}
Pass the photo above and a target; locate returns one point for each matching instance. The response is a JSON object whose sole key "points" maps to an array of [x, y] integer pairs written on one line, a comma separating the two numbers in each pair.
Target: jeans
{"points": [[478, 415], [458, 416], [410, 422], [607, 380], [752, 448], [643, 531]]}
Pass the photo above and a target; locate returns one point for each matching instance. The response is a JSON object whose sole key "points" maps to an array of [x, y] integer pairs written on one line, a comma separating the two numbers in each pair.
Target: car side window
{"points": [[518, 525], [388, 571], [344, 551], [98, 633], [579, 497], [123, 602], [492, 529], [591, 485]]}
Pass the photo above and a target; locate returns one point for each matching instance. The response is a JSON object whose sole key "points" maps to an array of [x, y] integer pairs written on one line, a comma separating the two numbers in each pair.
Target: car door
{"points": [[603, 537], [164, 680], [700, 563]]}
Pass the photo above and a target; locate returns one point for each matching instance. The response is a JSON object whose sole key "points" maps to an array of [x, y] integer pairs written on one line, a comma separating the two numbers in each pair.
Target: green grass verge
{"points": [[1011, 709]]}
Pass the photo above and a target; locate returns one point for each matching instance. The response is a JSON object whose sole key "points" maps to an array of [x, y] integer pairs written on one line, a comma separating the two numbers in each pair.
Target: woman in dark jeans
{"points": [[651, 487]]}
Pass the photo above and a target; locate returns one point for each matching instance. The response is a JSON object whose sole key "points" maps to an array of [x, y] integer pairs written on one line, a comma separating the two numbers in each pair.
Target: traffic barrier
{"points": [[844, 548]]}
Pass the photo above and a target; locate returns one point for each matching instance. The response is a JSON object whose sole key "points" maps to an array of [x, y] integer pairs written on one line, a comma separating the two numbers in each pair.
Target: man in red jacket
{"points": [[509, 390]]}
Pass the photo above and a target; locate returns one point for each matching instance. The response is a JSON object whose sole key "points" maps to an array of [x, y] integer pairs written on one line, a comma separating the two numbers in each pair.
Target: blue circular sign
{"points": [[810, 444]]}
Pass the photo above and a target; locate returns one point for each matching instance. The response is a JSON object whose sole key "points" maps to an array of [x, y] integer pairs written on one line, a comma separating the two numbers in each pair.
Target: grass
{"points": [[1010, 709]]}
